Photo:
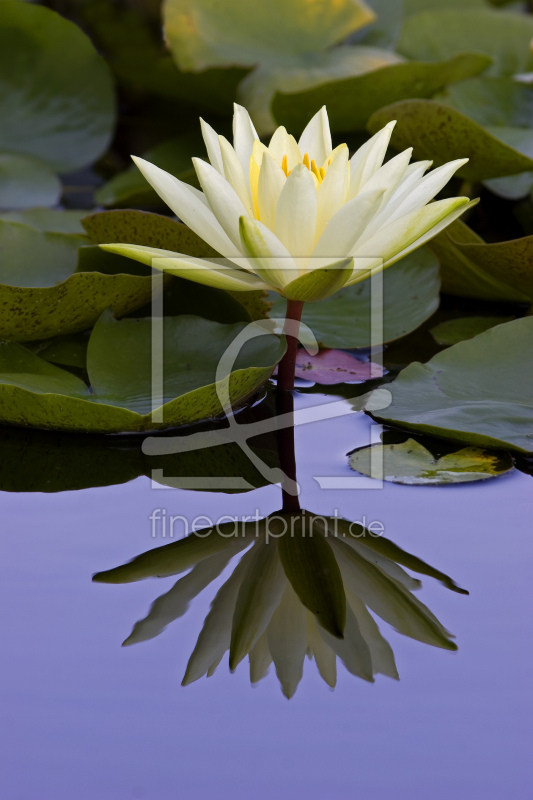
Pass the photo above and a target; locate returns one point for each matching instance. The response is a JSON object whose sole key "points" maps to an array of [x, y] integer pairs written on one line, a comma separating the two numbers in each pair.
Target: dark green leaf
{"points": [[457, 330]]}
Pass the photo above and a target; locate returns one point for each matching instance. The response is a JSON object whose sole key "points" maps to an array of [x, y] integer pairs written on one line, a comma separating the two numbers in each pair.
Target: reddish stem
{"points": [[285, 405]]}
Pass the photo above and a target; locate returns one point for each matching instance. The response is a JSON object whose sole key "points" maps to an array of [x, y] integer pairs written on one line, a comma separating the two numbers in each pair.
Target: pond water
{"points": [[86, 718]]}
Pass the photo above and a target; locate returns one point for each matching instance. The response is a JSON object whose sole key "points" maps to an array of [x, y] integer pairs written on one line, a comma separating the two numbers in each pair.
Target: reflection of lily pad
{"points": [[36, 393], [57, 101], [411, 463], [330, 367], [457, 330], [472, 268], [479, 391], [47, 461], [40, 296], [441, 133], [351, 100], [410, 296]]}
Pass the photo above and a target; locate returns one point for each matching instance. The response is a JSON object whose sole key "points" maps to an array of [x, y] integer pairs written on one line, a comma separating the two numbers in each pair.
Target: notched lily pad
{"points": [[42, 295], [479, 391], [411, 463], [121, 395]]}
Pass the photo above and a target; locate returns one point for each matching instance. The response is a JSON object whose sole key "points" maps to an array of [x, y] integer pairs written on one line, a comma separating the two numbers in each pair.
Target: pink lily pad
{"points": [[335, 366]]}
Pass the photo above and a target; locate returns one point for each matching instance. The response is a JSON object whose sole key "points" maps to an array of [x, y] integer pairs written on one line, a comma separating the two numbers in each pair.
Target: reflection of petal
{"points": [[389, 599], [287, 641], [325, 658], [391, 568], [352, 650], [380, 650], [260, 659], [259, 596], [215, 636], [175, 603]]}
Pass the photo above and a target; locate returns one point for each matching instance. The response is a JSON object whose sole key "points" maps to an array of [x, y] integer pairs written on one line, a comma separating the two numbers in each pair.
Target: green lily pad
{"points": [[479, 391], [26, 182], [411, 7], [441, 133], [36, 393], [411, 463], [472, 268], [130, 188], [154, 230], [352, 100], [42, 296], [57, 102], [458, 330], [410, 296], [48, 219], [505, 37]]}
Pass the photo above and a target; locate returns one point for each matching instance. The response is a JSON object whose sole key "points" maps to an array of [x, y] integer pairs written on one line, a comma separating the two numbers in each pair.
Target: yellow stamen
{"points": [[322, 173], [316, 171], [306, 161], [284, 165]]}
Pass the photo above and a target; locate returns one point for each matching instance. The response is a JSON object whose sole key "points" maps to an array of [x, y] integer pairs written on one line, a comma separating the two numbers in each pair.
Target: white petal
{"points": [[333, 189], [260, 659], [380, 650], [234, 173], [174, 603], [282, 144], [325, 658], [259, 596], [296, 212], [212, 145], [347, 226], [316, 138], [271, 181], [287, 641], [369, 158], [410, 180], [188, 206], [389, 176], [267, 255], [220, 277], [425, 189], [222, 198], [244, 135]]}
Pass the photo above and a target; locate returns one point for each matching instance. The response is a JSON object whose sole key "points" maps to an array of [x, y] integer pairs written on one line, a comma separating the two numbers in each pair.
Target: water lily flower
{"points": [[304, 587], [300, 218]]}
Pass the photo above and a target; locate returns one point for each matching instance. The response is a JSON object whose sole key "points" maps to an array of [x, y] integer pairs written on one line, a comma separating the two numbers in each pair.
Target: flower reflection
{"points": [[304, 587]]}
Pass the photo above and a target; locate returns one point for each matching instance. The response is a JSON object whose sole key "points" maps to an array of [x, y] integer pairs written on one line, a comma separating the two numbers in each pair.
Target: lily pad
{"points": [[352, 100], [61, 115], [330, 367], [42, 295], [442, 33], [472, 268], [411, 463], [441, 133], [49, 220], [36, 393], [479, 391], [458, 330], [410, 296], [26, 182], [130, 188]]}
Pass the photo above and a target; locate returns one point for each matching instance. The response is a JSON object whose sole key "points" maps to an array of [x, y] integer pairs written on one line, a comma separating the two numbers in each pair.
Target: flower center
{"points": [[319, 173]]}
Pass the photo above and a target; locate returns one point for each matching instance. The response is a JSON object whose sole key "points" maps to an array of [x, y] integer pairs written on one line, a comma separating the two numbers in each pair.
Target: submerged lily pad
{"points": [[479, 391], [330, 367], [440, 133], [57, 102], [42, 295], [472, 268], [352, 100], [410, 296], [458, 330], [411, 463], [123, 394]]}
